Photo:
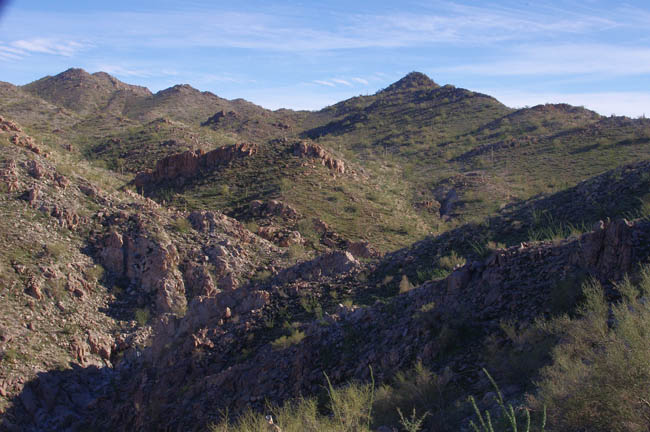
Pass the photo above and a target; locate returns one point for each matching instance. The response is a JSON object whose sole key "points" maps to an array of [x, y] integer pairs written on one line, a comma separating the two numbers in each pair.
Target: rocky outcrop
{"points": [[281, 236], [309, 149], [7, 125], [198, 280], [483, 293], [183, 166], [273, 208], [18, 137], [220, 117], [148, 263], [512, 284], [9, 176]]}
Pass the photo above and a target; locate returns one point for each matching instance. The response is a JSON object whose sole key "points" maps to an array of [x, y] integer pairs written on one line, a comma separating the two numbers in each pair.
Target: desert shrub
{"points": [[296, 252], [547, 228], [420, 392], [405, 285], [182, 225], [312, 305], [252, 226], [348, 409], [451, 261], [55, 250], [95, 273], [261, 275], [600, 376], [142, 316], [284, 342], [566, 292], [526, 350]]}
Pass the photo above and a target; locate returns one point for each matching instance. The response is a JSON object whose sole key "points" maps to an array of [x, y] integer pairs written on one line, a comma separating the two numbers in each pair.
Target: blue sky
{"points": [[309, 54]]}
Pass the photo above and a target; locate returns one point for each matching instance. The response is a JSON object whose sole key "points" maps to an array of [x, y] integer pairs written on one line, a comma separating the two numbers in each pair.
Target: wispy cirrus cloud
{"points": [[48, 46], [341, 81], [18, 49], [216, 27], [325, 83], [346, 82], [10, 53]]}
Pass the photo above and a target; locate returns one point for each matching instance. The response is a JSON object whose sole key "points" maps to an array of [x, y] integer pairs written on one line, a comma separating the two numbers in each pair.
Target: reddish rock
{"points": [[228, 282], [7, 125], [112, 255], [205, 221], [80, 351], [293, 237], [61, 180], [26, 142], [189, 164], [100, 345], [66, 218], [198, 281], [34, 288], [9, 176], [36, 170], [329, 264], [308, 149]]}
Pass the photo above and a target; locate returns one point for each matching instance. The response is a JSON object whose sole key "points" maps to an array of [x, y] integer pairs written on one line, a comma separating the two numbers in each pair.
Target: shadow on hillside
{"points": [[614, 194], [61, 400]]}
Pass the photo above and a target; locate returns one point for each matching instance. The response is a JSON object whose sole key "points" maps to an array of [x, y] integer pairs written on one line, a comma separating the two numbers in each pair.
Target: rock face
{"points": [[189, 164], [149, 265], [308, 149]]}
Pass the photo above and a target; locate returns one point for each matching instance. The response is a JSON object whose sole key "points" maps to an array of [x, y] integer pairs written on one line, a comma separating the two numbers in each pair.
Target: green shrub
{"points": [[349, 409], [600, 376], [55, 250], [95, 273], [405, 285], [451, 261], [182, 225], [424, 394], [142, 316], [284, 342]]}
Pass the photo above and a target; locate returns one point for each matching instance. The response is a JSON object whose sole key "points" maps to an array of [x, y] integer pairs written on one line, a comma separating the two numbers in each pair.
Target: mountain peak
{"points": [[73, 73], [413, 80]]}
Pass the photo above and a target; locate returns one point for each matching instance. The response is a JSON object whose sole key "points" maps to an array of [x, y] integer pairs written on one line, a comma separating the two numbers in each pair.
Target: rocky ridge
{"points": [[501, 287], [186, 165]]}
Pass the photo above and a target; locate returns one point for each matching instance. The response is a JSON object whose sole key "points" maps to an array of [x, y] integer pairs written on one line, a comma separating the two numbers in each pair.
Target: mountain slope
{"points": [[82, 92], [170, 256]]}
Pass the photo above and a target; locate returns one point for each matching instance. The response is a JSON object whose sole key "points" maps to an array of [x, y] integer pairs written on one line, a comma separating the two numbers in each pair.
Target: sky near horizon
{"points": [[310, 54]]}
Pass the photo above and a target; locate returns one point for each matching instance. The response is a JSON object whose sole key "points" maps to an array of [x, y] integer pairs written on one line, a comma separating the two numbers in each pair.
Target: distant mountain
{"points": [[82, 92]]}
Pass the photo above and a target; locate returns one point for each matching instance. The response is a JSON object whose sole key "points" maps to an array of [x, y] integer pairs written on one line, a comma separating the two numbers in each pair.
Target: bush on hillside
{"points": [[600, 376]]}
